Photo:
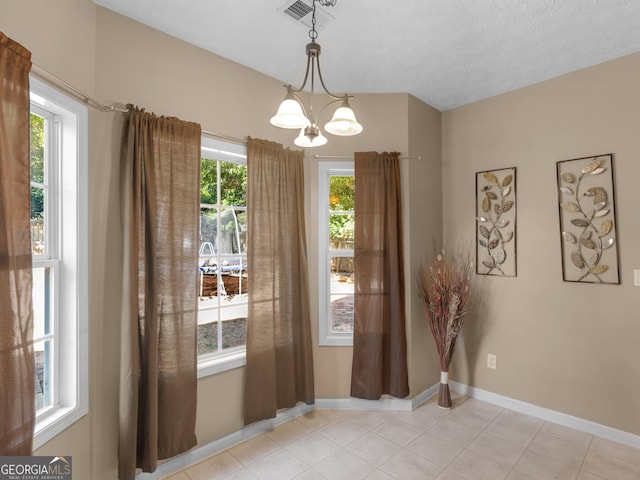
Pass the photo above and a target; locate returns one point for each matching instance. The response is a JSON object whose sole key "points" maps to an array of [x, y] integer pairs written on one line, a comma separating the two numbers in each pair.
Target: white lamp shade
{"points": [[343, 122], [290, 114], [303, 141]]}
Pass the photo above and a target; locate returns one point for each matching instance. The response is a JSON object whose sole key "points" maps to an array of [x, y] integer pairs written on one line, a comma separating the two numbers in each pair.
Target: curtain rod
{"points": [[350, 157], [78, 93], [109, 108], [242, 141]]}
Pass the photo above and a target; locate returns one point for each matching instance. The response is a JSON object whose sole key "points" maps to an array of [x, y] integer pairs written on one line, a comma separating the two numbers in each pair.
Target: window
{"points": [[337, 219], [59, 252], [222, 264]]}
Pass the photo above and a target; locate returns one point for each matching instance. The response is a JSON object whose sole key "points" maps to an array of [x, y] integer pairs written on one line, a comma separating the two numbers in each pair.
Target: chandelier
{"points": [[292, 112]]}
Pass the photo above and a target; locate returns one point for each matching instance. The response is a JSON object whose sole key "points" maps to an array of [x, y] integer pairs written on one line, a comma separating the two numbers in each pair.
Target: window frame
{"points": [[327, 169], [68, 255], [235, 357]]}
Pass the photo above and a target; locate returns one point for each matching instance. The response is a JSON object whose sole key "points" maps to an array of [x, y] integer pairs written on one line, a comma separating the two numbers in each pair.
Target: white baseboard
{"points": [[198, 454], [382, 404], [425, 395], [386, 404], [551, 416]]}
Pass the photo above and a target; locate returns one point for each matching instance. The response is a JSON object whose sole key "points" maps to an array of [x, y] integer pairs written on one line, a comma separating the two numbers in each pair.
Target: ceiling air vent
{"points": [[300, 12]]}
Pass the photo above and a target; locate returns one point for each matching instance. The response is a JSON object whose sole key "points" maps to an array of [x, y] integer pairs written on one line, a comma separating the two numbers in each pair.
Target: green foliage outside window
{"points": [[37, 165], [341, 199], [234, 183]]}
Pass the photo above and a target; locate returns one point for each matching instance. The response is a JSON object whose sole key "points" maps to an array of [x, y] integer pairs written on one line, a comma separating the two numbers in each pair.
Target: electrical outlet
{"points": [[636, 278], [491, 361]]}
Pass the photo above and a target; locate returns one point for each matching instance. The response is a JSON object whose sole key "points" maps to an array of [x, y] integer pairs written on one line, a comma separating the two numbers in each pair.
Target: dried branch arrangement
{"points": [[444, 290]]}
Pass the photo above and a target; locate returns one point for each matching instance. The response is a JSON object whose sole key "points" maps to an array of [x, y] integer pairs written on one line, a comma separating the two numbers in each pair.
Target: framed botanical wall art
{"points": [[496, 222], [588, 220]]}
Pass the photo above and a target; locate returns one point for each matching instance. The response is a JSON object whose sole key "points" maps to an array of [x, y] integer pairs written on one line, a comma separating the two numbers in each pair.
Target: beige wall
{"points": [[564, 346], [119, 60], [60, 35], [424, 222]]}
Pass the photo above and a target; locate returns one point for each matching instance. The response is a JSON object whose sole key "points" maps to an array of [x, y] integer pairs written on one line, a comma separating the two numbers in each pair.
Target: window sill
{"points": [[332, 339], [336, 341], [52, 425], [214, 364]]}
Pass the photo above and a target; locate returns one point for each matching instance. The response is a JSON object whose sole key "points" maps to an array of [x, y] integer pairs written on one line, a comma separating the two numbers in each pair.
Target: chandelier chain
{"points": [[313, 33], [292, 112]]}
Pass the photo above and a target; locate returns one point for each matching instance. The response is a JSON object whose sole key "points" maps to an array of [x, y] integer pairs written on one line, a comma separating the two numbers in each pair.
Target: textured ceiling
{"points": [[445, 52]]}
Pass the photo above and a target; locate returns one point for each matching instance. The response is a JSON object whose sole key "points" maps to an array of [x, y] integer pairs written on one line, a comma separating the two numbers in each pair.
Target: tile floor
{"points": [[473, 441]]}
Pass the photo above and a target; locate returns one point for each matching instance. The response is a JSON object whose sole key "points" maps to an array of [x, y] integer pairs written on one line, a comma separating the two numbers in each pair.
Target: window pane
{"points": [[234, 276], [44, 367], [208, 181], [37, 148], [234, 306], [234, 322], [341, 295], [223, 235], [207, 338], [233, 184], [229, 306], [229, 232], [41, 302], [341, 192], [37, 202], [38, 244], [208, 230], [242, 230], [341, 231]]}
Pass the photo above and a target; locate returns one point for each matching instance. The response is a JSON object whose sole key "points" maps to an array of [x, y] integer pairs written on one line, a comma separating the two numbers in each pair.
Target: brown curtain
{"points": [[379, 340], [160, 190], [279, 370], [17, 365]]}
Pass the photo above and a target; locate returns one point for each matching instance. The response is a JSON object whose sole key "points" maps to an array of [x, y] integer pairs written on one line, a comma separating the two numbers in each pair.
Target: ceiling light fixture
{"points": [[292, 112]]}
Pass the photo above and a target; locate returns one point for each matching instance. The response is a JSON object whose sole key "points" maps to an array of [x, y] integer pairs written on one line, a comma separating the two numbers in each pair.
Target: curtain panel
{"points": [[160, 188], [279, 369], [379, 341], [17, 363]]}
